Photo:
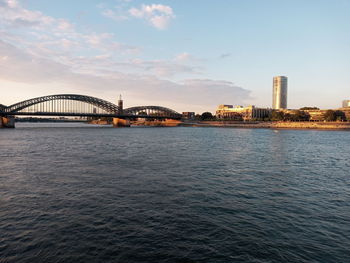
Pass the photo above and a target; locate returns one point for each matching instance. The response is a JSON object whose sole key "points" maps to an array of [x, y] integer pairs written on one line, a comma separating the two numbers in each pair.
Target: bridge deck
{"points": [[98, 115]]}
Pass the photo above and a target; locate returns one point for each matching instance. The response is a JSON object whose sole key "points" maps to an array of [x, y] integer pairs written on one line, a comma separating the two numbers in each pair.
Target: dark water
{"points": [[80, 193]]}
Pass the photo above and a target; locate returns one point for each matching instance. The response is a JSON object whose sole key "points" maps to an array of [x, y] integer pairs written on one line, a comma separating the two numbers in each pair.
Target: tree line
{"points": [[297, 115], [300, 115]]}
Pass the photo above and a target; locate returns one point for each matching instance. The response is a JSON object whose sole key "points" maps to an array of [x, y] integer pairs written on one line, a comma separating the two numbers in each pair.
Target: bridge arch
{"points": [[2, 107], [152, 110], [100, 103]]}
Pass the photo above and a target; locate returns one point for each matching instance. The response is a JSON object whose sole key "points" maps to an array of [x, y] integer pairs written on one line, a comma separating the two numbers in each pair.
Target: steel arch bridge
{"points": [[151, 111], [84, 106], [18, 107]]}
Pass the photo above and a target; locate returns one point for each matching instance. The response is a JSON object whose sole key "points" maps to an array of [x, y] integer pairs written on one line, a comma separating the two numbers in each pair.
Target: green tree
{"points": [[340, 115], [288, 117], [206, 116], [330, 115], [277, 115], [198, 117], [300, 116]]}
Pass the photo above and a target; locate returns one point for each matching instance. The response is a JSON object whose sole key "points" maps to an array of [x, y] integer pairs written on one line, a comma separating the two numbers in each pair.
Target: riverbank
{"points": [[271, 125], [240, 124], [155, 123]]}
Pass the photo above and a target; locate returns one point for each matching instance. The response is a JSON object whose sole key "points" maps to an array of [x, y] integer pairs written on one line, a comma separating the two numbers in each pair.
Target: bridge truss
{"points": [[84, 106]]}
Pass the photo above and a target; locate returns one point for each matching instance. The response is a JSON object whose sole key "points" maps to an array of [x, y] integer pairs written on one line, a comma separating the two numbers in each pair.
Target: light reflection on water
{"points": [[82, 193]]}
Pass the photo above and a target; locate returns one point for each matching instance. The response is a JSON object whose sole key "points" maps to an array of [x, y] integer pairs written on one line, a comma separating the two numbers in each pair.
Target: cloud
{"points": [[157, 15], [187, 58], [116, 16], [192, 94], [64, 25], [22, 66], [13, 15], [55, 38], [183, 57], [39, 53], [164, 68], [117, 12]]}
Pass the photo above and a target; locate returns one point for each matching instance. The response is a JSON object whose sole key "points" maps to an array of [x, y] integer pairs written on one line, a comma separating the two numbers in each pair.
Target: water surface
{"points": [[81, 193]]}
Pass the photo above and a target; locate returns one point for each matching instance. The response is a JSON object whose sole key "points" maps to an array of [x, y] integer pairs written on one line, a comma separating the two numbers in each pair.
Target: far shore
{"points": [[270, 125], [234, 124], [241, 124]]}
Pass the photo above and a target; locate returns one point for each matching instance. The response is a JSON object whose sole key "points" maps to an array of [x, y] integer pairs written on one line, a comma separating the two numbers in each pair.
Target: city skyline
{"points": [[184, 56]]}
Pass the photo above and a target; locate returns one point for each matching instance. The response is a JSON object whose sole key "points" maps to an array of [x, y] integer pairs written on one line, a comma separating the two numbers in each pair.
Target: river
{"points": [[85, 193]]}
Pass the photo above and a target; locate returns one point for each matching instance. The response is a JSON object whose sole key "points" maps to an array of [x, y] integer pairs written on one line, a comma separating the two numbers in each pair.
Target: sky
{"points": [[188, 55]]}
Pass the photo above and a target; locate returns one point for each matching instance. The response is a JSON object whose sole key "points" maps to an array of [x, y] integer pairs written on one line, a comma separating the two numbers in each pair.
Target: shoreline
{"points": [[249, 125], [272, 125], [330, 126]]}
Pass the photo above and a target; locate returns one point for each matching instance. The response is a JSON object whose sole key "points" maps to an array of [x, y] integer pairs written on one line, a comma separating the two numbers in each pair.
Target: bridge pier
{"points": [[117, 122], [7, 122], [162, 123]]}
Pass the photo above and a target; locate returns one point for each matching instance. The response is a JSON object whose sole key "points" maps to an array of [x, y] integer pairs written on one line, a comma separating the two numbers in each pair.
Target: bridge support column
{"points": [[172, 122], [7, 122], [117, 122]]}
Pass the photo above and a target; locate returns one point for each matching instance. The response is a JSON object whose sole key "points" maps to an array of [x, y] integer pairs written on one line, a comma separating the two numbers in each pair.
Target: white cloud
{"points": [[192, 94], [64, 25], [47, 54], [157, 15], [114, 15], [183, 57], [12, 14], [53, 37], [118, 12]]}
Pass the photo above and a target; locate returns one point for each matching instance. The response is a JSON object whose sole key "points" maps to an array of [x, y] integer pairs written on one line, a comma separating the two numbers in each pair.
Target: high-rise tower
{"points": [[280, 87]]}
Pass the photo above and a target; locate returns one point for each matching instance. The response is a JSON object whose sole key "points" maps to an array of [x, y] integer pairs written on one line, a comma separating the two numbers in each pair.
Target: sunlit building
{"points": [[240, 113], [280, 88], [346, 103]]}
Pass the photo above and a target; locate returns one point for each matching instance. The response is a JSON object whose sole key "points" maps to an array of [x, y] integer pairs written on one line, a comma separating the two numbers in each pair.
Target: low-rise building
{"points": [[188, 115], [242, 113]]}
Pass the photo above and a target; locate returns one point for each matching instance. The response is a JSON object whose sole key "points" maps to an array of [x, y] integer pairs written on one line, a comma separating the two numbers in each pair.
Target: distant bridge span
{"points": [[18, 107], [83, 106]]}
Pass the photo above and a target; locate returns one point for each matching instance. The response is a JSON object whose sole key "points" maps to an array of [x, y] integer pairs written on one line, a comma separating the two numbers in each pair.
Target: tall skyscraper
{"points": [[280, 87]]}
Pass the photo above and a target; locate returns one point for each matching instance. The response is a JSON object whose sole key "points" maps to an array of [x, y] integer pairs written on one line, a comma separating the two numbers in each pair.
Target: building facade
{"points": [[346, 103], [188, 115], [240, 113], [279, 91]]}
